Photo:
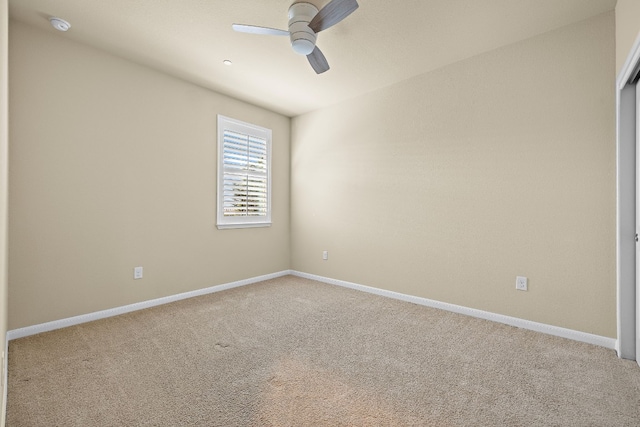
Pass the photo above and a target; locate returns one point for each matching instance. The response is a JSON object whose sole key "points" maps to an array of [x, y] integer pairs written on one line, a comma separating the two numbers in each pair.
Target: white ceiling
{"points": [[381, 43]]}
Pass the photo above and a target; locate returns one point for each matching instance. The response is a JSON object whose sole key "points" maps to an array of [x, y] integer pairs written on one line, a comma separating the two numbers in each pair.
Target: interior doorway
{"points": [[628, 206]]}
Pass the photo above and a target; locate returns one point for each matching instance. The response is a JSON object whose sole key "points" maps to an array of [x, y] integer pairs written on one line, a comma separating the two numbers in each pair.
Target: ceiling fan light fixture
{"points": [[303, 38], [305, 22], [303, 46]]}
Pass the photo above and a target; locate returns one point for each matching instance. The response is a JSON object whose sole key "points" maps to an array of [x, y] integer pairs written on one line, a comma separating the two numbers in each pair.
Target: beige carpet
{"points": [[293, 352]]}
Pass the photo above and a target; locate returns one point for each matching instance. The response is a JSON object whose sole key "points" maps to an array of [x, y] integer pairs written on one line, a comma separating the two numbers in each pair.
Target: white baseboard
{"points": [[76, 320], [598, 340], [512, 321]]}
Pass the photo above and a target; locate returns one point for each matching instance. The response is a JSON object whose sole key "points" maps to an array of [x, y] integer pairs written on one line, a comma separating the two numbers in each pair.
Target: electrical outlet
{"points": [[521, 283], [137, 273], [325, 255]]}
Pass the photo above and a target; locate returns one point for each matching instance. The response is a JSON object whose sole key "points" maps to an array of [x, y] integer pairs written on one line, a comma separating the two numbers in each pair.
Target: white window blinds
{"points": [[244, 174]]}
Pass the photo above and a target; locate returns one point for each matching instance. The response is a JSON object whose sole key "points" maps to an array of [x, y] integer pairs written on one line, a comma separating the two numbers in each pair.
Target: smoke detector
{"points": [[59, 24]]}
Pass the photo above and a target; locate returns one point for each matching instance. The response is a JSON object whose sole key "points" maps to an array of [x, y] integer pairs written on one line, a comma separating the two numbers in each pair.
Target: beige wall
{"points": [[448, 185], [627, 29], [4, 143], [112, 167], [445, 186]]}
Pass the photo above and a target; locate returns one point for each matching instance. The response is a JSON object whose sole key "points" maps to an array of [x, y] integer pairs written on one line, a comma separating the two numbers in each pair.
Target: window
{"points": [[244, 174]]}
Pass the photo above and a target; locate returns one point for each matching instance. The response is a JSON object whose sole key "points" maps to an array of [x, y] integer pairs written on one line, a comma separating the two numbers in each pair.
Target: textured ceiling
{"points": [[382, 43]]}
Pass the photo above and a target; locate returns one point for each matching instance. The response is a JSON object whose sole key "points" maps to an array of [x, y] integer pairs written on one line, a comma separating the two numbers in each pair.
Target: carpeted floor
{"points": [[294, 352]]}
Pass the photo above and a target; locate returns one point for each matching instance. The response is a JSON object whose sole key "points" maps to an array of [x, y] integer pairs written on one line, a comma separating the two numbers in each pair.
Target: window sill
{"points": [[243, 225]]}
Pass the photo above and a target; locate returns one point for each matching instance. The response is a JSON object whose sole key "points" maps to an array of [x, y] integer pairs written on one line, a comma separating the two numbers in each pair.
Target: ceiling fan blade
{"points": [[318, 61], [334, 12], [252, 29]]}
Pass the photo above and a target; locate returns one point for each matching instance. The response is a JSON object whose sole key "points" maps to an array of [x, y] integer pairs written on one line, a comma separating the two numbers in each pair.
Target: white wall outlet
{"points": [[137, 273], [325, 255], [521, 283]]}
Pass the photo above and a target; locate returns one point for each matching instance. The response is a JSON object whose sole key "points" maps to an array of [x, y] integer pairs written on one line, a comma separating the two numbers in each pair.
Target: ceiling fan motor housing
{"points": [[303, 38]]}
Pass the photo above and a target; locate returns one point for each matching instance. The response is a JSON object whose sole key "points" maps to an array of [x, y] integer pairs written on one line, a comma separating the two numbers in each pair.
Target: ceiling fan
{"points": [[305, 22]]}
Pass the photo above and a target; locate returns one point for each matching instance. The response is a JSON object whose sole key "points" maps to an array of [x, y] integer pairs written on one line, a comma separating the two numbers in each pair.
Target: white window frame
{"points": [[233, 125]]}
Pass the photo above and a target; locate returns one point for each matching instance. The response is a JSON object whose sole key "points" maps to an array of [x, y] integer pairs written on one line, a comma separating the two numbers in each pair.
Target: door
{"points": [[637, 293]]}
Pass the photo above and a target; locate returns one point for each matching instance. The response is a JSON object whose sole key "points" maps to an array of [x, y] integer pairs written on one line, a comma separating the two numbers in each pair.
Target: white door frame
{"points": [[626, 117]]}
